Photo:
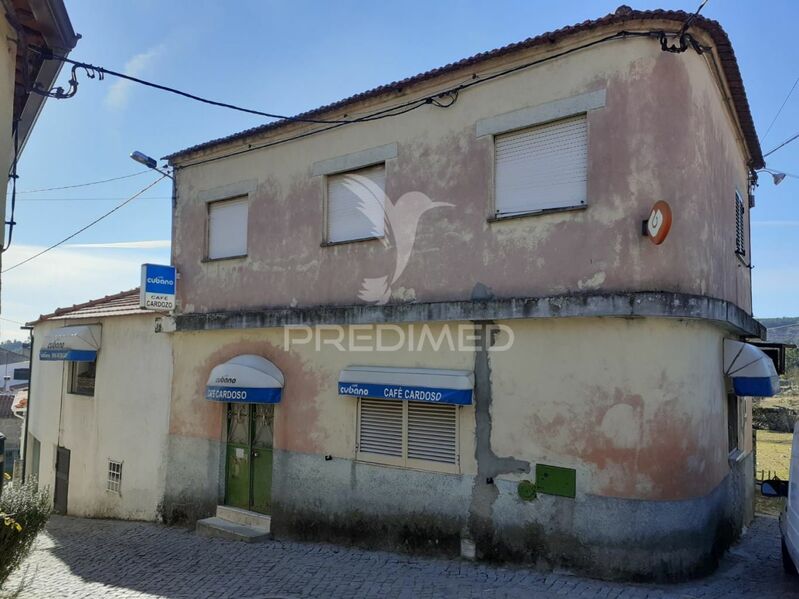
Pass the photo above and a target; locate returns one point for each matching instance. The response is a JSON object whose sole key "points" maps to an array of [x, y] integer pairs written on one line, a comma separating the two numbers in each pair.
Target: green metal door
{"points": [[262, 427], [237, 467], [249, 457]]}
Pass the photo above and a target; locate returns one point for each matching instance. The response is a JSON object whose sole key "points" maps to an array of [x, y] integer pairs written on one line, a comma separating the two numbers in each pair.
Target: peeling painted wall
{"points": [[663, 134], [637, 407], [126, 420]]}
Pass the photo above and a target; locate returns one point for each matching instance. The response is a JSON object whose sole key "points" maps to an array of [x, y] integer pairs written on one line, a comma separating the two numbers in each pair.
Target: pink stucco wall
{"points": [[662, 135]]}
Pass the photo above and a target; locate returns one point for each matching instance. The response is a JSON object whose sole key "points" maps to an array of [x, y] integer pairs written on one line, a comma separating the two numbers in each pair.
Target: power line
{"points": [[453, 92], [785, 143], [84, 184], [88, 199], [82, 229], [776, 116]]}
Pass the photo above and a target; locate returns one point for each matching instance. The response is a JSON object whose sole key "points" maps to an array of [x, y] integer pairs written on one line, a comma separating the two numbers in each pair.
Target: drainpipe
{"points": [[28, 409]]}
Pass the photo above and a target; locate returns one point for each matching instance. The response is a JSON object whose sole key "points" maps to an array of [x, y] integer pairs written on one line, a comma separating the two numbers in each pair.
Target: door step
{"points": [[236, 524]]}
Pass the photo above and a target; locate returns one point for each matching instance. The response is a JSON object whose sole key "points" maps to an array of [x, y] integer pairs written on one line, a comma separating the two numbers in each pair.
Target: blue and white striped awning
{"points": [[245, 379], [75, 344], [409, 384], [751, 370]]}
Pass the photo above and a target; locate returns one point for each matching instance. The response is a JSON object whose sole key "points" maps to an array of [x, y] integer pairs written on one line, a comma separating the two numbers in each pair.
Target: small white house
{"points": [[98, 410]]}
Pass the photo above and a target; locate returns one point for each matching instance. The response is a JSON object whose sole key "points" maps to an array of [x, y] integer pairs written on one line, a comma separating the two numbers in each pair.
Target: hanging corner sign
{"points": [[657, 226], [158, 283]]}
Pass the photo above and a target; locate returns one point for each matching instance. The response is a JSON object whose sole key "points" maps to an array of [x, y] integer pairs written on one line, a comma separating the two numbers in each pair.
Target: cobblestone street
{"points": [[101, 558]]}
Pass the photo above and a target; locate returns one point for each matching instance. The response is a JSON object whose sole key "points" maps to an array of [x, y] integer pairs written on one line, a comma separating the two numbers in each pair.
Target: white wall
{"points": [[126, 420]]}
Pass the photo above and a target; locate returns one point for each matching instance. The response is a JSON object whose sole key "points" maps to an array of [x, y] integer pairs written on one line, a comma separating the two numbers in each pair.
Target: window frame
{"points": [[326, 241], [243, 198], [494, 215], [113, 479], [404, 461], [71, 386], [740, 234]]}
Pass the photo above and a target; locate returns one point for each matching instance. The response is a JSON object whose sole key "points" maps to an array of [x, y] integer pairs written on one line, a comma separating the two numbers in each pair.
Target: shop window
{"points": [[114, 481], [740, 239], [355, 203], [408, 433], [542, 168], [81, 377], [227, 229], [733, 421]]}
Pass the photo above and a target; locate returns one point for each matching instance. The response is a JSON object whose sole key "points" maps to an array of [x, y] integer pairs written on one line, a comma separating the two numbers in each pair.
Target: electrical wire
{"points": [[114, 199], [82, 229], [93, 71], [13, 176], [84, 184], [783, 144], [451, 92], [776, 116]]}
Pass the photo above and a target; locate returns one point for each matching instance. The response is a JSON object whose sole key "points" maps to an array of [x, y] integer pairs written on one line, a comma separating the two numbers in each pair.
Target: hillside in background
{"points": [[782, 330]]}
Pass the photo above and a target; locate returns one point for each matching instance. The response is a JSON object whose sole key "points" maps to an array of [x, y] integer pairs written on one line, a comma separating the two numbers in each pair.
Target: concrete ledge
{"points": [[654, 304], [224, 529]]}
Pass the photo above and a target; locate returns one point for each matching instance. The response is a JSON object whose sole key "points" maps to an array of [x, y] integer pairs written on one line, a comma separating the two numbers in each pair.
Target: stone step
{"points": [[244, 517], [224, 529]]}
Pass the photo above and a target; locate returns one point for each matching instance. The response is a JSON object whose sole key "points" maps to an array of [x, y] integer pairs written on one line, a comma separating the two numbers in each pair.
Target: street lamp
{"points": [[776, 176], [144, 159]]}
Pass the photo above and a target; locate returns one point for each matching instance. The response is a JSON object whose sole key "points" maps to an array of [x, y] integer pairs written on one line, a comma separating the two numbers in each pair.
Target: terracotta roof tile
{"points": [[622, 15], [125, 303]]}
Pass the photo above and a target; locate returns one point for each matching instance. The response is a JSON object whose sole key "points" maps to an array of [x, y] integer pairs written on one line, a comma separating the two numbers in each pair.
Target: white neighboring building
{"points": [[99, 408]]}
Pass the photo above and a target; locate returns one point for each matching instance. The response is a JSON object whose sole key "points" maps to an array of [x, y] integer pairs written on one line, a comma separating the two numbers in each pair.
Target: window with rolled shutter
{"points": [[542, 167], [227, 228], [355, 203], [408, 433], [740, 239]]}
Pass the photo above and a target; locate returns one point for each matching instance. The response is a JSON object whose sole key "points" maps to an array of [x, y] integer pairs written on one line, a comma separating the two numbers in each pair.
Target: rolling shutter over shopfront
{"points": [[542, 167]]}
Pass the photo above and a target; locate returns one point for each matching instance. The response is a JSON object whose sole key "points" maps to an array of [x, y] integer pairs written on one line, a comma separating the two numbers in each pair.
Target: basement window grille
{"points": [[408, 433], [114, 481], [740, 240]]}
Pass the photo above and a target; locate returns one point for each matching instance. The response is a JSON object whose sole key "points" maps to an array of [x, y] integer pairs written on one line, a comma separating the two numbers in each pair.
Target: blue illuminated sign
{"points": [[158, 286], [71, 355], [243, 394], [458, 397]]}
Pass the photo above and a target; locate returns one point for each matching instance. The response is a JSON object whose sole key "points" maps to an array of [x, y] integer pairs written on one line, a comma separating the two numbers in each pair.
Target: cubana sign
{"points": [[158, 283], [459, 397]]}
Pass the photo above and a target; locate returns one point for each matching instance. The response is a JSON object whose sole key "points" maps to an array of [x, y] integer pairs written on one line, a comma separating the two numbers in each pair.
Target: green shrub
{"points": [[24, 511]]}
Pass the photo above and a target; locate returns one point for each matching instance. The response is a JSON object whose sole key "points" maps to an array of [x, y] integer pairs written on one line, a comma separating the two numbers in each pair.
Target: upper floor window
{"points": [[355, 201], [227, 228], [740, 239], [541, 168]]}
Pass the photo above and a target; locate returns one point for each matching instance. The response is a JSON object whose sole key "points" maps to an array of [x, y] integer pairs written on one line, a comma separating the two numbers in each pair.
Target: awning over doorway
{"points": [[411, 384], [751, 370], [245, 379], [76, 344]]}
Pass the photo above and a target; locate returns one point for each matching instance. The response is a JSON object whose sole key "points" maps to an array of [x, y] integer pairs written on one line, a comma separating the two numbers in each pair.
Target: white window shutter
{"points": [[227, 228], [432, 432], [355, 204], [542, 167], [380, 427]]}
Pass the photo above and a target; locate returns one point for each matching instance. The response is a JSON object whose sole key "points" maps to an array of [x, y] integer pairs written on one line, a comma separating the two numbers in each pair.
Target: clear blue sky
{"points": [[291, 56]]}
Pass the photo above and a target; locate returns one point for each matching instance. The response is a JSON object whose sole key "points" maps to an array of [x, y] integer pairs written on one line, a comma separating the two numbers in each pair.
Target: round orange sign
{"points": [[659, 223]]}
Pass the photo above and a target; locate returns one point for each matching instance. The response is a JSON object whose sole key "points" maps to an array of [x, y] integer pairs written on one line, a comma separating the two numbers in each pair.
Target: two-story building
{"points": [[426, 317]]}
